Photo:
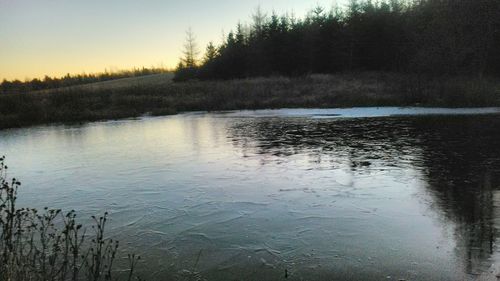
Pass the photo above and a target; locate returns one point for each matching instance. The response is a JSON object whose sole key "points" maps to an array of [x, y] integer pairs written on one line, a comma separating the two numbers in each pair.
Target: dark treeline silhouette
{"points": [[431, 37], [17, 86]]}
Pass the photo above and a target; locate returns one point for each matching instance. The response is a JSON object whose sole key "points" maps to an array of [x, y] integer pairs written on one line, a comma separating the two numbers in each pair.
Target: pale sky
{"points": [[56, 37]]}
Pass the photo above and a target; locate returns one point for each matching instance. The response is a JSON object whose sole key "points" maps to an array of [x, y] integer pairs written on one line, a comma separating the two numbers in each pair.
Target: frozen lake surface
{"points": [[338, 194]]}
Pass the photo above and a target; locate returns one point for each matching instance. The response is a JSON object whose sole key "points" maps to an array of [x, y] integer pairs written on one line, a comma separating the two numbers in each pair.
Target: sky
{"points": [[55, 37]]}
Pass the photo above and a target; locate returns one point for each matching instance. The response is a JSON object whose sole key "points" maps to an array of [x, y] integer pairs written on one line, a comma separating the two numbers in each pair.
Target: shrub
{"points": [[50, 245]]}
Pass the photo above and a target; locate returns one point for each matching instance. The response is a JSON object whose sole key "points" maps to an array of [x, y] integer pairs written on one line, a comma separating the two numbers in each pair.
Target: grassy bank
{"points": [[94, 102]]}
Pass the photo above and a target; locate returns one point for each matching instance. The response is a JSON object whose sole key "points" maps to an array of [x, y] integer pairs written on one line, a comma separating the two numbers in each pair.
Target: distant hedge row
{"points": [[15, 86]]}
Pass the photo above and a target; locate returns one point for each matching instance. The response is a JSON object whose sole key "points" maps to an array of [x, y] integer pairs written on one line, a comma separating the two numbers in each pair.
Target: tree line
{"points": [[17, 86], [429, 37]]}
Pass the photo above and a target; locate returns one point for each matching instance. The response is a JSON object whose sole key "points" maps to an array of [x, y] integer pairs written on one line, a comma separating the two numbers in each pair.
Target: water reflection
{"points": [[414, 198], [459, 156], [462, 161], [363, 142]]}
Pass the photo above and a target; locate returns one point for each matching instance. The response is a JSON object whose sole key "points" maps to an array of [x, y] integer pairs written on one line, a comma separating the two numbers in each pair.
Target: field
{"points": [[158, 95], [151, 80]]}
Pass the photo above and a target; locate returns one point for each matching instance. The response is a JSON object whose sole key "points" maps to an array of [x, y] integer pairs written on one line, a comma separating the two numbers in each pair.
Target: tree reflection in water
{"points": [[459, 157]]}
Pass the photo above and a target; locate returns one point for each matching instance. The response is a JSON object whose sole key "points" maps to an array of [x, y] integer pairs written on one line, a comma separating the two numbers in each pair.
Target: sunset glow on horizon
{"points": [[39, 38]]}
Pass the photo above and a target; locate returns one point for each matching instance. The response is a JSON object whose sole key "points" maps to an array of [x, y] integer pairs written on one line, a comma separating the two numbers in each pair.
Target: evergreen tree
{"points": [[437, 37], [210, 53]]}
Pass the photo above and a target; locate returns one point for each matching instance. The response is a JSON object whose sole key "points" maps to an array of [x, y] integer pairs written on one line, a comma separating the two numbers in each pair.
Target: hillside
{"points": [[122, 83], [150, 80]]}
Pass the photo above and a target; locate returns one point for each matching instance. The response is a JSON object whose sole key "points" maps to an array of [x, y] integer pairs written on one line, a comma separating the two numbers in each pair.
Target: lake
{"points": [[303, 194]]}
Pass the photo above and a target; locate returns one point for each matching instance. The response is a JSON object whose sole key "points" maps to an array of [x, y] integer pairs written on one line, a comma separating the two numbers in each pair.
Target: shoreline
{"points": [[368, 89], [297, 113]]}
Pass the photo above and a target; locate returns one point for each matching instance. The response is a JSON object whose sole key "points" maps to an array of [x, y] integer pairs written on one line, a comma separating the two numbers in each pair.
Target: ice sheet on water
{"points": [[359, 112]]}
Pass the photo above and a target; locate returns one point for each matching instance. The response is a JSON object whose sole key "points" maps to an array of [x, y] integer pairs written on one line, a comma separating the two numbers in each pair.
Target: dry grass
{"points": [[122, 83], [157, 95]]}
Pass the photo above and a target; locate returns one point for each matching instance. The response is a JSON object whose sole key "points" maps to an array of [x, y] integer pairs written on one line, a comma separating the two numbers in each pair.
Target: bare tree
{"points": [[191, 52]]}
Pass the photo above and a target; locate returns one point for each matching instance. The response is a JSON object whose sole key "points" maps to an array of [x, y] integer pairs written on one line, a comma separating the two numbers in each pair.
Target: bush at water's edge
{"points": [[50, 245]]}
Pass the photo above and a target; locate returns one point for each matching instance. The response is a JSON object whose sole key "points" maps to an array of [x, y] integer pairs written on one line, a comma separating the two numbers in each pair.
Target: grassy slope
{"points": [[157, 95], [151, 80]]}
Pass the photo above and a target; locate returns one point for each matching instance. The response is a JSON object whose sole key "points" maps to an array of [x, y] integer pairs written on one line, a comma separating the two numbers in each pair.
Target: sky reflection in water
{"points": [[348, 198]]}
